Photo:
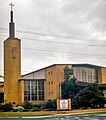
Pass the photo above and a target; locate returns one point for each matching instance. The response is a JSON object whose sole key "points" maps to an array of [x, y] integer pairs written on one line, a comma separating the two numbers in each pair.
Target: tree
{"points": [[68, 73], [69, 86], [90, 96]]}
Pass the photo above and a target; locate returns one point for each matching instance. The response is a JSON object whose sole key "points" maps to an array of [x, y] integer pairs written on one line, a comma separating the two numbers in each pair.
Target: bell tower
{"points": [[12, 64]]}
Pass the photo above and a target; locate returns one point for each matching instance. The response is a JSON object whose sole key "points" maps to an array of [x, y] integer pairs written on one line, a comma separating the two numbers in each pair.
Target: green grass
{"points": [[92, 113], [97, 113], [22, 115], [35, 115]]}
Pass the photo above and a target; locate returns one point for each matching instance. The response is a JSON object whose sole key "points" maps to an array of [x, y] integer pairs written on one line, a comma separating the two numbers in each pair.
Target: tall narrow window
{"points": [[96, 75], [33, 90]]}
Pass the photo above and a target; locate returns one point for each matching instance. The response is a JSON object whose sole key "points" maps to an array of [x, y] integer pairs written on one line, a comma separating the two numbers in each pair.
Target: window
{"points": [[49, 83], [85, 74], [33, 90], [96, 76], [50, 72]]}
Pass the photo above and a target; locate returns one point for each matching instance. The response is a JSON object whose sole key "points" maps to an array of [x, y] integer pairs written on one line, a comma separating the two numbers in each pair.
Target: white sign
{"points": [[63, 104]]}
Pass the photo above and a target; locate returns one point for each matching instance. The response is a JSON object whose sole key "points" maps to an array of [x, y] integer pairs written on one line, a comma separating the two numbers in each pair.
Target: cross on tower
{"points": [[11, 6], [11, 24]]}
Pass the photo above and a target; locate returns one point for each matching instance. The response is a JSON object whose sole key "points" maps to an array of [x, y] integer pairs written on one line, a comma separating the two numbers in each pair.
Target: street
{"points": [[60, 118]]}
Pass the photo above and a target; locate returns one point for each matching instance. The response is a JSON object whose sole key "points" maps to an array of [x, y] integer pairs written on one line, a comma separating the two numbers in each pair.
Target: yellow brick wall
{"points": [[54, 76], [21, 91], [102, 75], [12, 69]]}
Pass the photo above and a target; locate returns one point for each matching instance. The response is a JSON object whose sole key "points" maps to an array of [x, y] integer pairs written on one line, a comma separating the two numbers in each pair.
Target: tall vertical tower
{"points": [[12, 64]]}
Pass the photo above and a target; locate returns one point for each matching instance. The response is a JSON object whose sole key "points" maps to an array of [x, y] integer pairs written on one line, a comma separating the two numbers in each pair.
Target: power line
{"points": [[80, 44], [52, 35], [43, 40], [32, 51], [57, 53], [39, 40]]}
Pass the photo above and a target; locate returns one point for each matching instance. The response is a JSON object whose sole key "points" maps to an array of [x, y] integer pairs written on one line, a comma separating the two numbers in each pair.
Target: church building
{"points": [[44, 84]]}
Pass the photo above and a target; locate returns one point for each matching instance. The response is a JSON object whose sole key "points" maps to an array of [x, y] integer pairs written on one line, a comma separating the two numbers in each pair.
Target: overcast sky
{"points": [[56, 31]]}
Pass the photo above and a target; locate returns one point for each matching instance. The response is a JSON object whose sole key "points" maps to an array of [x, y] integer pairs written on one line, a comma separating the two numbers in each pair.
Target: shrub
{"points": [[51, 104], [42, 106], [27, 105], [34, 109], [37, 105], [6, 107]]}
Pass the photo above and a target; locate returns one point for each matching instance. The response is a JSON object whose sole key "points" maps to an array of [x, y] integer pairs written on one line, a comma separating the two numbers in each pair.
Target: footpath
{"points": [[71, 112]]}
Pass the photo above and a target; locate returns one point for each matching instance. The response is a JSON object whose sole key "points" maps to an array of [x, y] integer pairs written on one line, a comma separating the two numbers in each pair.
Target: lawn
{"points": [[35, 115]]}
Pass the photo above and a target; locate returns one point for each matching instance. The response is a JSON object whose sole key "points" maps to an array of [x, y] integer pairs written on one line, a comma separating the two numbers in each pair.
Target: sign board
{"points": [[64, 104]]}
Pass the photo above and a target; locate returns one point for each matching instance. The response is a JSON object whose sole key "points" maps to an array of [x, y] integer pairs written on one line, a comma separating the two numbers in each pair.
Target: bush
{"points": [[89, 97], [27, 105], [34, 109], [75, 104], [51, 104], [6, 107], [37, 105], [42, 106], [1, 108]]}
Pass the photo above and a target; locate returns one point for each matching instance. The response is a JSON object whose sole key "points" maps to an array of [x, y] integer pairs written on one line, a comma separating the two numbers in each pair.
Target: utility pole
{"points": [[60, 85]]}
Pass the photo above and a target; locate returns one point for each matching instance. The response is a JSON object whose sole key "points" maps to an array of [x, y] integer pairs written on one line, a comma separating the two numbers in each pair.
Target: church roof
{"points": [[73, 65]]}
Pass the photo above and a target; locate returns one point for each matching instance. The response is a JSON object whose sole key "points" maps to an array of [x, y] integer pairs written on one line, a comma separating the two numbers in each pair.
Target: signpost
{"points": [[64, 104]]}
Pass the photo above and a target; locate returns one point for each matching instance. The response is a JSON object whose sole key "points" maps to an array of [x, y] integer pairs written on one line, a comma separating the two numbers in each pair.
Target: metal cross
{"points": [[11, 6]]}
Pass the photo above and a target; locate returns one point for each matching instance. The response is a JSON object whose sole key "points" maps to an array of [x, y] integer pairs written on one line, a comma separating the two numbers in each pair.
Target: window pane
{"points": [[33, 90]]}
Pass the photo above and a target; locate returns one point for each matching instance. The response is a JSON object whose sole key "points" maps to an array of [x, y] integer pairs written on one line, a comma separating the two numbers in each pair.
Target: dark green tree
{"points": [[69, 86], [51, 104], [68, 73], [90, 96]]}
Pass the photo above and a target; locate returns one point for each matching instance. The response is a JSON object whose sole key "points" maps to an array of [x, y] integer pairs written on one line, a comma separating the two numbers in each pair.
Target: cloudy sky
{"points": [[56, 31]]}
